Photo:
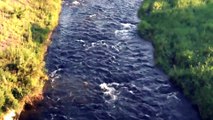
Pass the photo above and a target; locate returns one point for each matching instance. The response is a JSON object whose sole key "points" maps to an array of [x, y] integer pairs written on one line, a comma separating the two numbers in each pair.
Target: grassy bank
{"points": [[182, 34], [24, 29]]}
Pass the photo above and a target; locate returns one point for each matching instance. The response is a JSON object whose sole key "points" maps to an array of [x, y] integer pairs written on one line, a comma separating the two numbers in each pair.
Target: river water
{"points": [[100, 69]]}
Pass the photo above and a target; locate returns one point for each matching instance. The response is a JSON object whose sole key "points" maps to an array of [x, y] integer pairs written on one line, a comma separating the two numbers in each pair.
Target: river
{"points": [[100, 69]]}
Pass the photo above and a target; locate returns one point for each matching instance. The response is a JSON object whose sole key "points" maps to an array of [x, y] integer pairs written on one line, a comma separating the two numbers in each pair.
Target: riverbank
{"points": [[181, 31], [24, 35]]}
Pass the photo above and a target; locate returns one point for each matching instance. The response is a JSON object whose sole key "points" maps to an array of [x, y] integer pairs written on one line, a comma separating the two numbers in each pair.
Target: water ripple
{"points": [[100, 69]]}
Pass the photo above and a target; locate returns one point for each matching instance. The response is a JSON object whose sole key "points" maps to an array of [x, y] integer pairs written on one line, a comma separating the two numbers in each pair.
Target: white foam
{"points": [[163, 85], [115, 48], [54, 73], [173, 95], [109, 90], [53, 116], [76, 3], [114, 83], [130, 91], [146, 88], [82, 41], [100, 43], [94, 15], [123, 34], [127, 25], [148, 116]]}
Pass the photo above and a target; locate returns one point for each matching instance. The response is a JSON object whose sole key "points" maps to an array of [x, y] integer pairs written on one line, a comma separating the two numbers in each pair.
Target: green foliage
{"points": [[181, 31], [39, 34], [23, 36]]}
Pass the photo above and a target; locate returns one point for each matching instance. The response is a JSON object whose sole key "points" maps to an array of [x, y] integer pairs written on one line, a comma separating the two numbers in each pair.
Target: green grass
{"points": [[24, 30], [181, 31]]}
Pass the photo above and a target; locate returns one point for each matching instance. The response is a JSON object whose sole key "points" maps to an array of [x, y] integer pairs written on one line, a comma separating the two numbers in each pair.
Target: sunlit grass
{"points": [[24, 29], [181, 31]]}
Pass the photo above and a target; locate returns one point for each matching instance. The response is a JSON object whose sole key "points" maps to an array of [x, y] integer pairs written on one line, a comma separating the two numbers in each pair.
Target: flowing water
{"points": [[100, 69]]}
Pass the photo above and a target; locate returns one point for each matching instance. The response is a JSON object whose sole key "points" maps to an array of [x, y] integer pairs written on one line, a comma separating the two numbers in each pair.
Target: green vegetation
{"points": [[182, 33], [24, 31]]}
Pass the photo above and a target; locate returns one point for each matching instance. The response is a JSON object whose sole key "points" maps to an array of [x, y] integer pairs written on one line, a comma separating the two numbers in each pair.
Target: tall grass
{"points": [[24, 29], [181, 31]]}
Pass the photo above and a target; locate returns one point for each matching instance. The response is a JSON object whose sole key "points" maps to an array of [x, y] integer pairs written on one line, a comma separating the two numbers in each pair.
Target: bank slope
{"points": [[24, 29], [181, 31]]}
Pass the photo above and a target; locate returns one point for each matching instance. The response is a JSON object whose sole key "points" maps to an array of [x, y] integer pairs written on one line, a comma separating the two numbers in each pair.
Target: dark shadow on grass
{"points": [[39, 34]]}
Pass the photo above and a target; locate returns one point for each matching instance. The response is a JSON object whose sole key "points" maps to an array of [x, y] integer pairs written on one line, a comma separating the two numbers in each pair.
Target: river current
{"points": [[100, 69]]}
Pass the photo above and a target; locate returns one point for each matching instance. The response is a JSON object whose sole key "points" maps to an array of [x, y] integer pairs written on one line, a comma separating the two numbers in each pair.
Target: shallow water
{"points": [[100, 69]]}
